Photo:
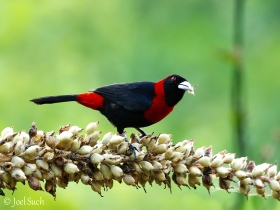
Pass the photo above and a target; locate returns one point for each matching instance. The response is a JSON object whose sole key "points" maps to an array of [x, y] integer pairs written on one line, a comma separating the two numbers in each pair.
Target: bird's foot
{"points": [[141, 132], [131, 149]]}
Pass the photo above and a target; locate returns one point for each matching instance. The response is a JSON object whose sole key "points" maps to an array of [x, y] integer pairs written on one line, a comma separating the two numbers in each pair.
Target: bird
{"points": [[135, 104]]}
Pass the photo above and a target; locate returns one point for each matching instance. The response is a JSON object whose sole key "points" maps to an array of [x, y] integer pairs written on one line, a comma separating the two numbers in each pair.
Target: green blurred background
{"points": [[60, 47]]}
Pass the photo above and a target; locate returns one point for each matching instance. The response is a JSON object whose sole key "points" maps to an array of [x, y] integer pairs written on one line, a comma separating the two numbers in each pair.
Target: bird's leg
{"points": [[131, 149], [141, 131]]}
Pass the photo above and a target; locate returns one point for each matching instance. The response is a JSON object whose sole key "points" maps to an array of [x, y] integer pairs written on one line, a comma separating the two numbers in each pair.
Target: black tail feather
{"points": [[54, 99]]}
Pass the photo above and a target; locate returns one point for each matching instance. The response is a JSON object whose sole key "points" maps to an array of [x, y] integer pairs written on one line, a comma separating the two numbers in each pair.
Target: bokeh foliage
{"points": [[60, 47]]}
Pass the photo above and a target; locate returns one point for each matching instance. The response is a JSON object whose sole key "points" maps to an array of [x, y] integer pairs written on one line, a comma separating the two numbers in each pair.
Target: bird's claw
{"points": [[131, 149]]}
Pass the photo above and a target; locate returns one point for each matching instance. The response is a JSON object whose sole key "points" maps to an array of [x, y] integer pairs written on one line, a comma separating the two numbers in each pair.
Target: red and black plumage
{"points": [[137, 104]]}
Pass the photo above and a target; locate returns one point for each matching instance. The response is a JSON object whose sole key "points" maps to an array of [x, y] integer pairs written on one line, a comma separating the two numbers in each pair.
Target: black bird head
{"points": [[175, 87]]}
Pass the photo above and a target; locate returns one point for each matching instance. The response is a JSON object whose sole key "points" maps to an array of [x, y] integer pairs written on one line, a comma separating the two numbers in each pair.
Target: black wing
{"points": [[137, 96]]}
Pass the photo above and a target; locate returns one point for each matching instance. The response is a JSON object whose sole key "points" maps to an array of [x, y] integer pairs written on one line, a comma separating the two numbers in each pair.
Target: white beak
{"points": [[186, 86]]}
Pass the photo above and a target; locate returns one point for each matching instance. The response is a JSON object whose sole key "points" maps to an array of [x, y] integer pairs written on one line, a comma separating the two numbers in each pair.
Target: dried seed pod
{"points": [[180, 146], [115, 140], [195, 171], [62, 183], [274, 185], [188, 147], [109, 184], [246, 181], [142, 182], [8, 166], [6, 131], [19, 147], [96, 158], [32, 130], [10, 182], [122, 147], [106, 138], [204, 161], [275, 194], [47, 175], [17, 138], [29, 169], [38, 174], [51, 140], [169, 154], [250, 166], [180, 168], [157, 165], [240, 174], [159, 177], [223, 172], [116, 171], [112, 159], [31, 153], [70, 168], [145, 140], [151, 144], [64, 128], [50, 187], [85, 150], [180, 179], [75, 130], [129, 180], [42, 165], [259, 183], [261, 191], [91, 127], [25, 137], [92, 138], [34, 183], [199, 152], [7, 147], [228, 158], [208, 152], [96, 186], [160, 149], [106, 172], [56, 170], [193, 180], [133, 167], [178, 156], [18, 162], [98, 148], [18, 174], [5, 157], [76, 144], [85, 179], [278, 176], [224, 184], [147, 166], [207, 182], [97, 175], [272, 171], [260, 187], [259, 170], [64, 140], [48, 156], [38, 138], [164, 138], [217, 161], [238, 163], [244, 189]]}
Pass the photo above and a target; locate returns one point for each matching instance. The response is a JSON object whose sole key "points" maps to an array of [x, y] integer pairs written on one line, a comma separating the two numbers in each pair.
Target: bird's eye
{"points": [[173, 79]]}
